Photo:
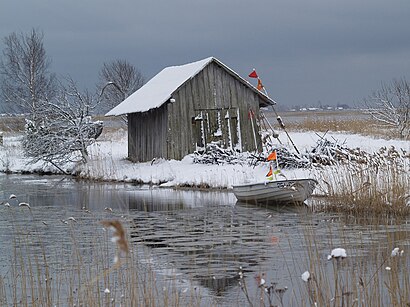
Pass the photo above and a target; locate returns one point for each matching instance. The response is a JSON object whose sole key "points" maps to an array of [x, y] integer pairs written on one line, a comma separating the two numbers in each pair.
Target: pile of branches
{"points": [[328, 152], [325, 153], [214, 154]]}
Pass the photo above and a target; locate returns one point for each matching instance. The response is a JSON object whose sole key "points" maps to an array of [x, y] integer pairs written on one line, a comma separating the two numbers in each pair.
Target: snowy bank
{"points": [[108, 162]]}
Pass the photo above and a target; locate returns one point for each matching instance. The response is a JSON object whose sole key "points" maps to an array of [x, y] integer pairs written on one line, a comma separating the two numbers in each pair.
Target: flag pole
{"points": [[281, 124], [253, 74]]}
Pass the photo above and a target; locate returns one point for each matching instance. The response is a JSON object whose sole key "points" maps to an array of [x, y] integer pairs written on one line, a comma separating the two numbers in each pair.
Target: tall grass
{"points": [[366, 190]]}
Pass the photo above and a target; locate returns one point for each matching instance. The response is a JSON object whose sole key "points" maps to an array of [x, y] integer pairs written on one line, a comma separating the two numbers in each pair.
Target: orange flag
{"points": [[272, 156], [270, 172], [260, 85]]}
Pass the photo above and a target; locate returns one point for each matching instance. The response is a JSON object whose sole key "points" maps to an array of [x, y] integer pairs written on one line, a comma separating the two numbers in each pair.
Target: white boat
{"points": [[294, 191]]}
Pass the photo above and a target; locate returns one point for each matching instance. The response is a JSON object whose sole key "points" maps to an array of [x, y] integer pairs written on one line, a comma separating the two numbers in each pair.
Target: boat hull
{"points": [[280, 192]]}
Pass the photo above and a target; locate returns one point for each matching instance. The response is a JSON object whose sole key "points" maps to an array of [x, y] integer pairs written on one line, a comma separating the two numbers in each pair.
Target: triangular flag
{"points": [[272, 156], [270, 172], [253, 74], [260, 85]]}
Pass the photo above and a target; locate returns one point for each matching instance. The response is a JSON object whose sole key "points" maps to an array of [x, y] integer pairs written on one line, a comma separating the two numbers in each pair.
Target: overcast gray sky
{"points": [[304, 51]]}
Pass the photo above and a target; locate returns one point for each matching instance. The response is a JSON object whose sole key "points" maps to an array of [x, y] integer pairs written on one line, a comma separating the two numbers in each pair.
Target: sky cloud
{"points": [[306, 52]]}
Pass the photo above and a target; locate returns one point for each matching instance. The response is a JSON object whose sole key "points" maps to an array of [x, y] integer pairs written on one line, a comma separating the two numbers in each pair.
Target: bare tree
{"points": [[66, 129], [26, 81], [391, 106], [124, 78]]}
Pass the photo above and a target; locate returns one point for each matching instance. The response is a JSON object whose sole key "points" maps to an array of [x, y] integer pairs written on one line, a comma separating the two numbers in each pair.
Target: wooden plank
{"points": [[211, 86], [189, 105], [146, 135], [171, 131], [206, 75], [184, 124]]}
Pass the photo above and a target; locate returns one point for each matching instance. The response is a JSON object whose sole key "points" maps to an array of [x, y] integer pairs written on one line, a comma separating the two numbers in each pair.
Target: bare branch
{"points": [[26, 81], [391, 106], [124, 77]]}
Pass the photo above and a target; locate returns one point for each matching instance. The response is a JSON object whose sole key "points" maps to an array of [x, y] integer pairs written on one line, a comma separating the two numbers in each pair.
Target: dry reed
{"points": [[12, 124], [365, 190], [374, 277], [354, 122]]}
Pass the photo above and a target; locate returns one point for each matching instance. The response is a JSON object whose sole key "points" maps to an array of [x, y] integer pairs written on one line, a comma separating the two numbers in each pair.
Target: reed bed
{"points": [[379, 186], [323, 122], [364, 190], [12, 124], [362, 126]]}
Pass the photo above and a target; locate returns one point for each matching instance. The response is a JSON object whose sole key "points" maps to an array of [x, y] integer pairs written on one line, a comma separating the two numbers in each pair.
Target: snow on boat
{"points": [[294, 191]]}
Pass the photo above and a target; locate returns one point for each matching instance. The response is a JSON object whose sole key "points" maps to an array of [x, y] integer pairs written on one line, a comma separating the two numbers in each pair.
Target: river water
{"points": [[198, 239]]}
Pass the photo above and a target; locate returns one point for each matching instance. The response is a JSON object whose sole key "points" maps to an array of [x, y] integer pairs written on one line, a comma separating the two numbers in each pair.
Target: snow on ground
{"points": [[108, 162]]}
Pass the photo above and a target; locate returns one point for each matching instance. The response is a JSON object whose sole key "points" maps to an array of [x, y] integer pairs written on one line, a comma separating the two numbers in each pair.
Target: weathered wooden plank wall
{"points": [[172, 131], [147, 135], [213, 90]]}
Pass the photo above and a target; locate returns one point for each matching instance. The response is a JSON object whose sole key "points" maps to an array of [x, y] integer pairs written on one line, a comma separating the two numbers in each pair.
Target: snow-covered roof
{"points": [[160, 88]]}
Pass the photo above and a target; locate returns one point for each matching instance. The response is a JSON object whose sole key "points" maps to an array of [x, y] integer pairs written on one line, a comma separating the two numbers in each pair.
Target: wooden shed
{"points": [[184, 108]]}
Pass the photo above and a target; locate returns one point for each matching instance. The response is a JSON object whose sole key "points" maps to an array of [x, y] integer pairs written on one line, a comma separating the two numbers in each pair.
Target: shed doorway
{"points": [[217, 126]]}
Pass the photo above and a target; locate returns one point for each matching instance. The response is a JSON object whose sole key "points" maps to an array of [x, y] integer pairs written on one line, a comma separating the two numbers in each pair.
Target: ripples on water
{"points": [[198, 239]]}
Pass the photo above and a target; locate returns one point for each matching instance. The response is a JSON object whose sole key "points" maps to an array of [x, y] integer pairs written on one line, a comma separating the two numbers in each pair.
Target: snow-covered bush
{"points": [[60, 142], [65, 130]]}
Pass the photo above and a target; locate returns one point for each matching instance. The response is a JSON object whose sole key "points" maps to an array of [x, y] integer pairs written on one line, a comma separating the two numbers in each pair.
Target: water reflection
{"points": [[158, 199], [209, 244]]}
